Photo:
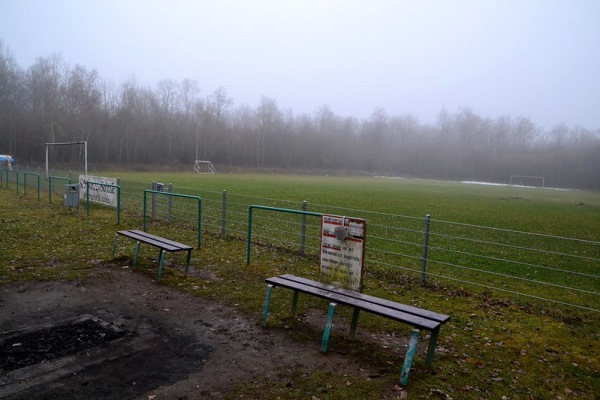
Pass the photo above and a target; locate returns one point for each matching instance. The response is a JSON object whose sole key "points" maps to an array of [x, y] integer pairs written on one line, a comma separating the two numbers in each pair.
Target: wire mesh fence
{"points": [[523, 266]]}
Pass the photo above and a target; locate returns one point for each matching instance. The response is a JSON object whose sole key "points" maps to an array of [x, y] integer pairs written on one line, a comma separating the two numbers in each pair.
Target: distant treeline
{"points": [[174, 123]]}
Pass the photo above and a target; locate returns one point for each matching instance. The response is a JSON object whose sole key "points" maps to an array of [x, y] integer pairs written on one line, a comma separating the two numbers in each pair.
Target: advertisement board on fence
{"points": [[342, 251], [105, 195]]}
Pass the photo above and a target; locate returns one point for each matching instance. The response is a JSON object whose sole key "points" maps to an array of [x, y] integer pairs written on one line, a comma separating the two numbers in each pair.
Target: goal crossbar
{"points": [[528, 178], [67, 144], [204, 167]]}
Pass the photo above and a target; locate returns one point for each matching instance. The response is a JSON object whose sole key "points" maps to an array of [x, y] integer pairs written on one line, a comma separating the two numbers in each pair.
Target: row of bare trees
{"points": [[175, 123]]}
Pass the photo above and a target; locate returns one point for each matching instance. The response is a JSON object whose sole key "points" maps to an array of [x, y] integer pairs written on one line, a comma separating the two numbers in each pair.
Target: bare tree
{"points": [[217, 104], [167, 96], [269, 117], [219, 101], [10, 93], [189, 91], [82, 99], [45, 80]]}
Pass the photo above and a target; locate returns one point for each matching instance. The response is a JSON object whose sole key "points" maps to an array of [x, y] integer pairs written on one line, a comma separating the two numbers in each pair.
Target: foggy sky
{"points": [[534, 58]]}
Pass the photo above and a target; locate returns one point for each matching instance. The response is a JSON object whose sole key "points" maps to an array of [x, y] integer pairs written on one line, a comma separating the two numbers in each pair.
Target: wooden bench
{"points": [[417, 317], [165, 245]]}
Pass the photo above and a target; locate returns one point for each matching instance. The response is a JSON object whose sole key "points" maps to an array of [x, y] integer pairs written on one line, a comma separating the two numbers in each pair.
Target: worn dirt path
{"points": [[194, 348]]}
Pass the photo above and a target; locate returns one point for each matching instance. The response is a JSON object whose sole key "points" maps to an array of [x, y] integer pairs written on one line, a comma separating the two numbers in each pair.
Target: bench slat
{"points": [[377, 309], [156, 241], [442, 318], [152, 242], [162, 239]]}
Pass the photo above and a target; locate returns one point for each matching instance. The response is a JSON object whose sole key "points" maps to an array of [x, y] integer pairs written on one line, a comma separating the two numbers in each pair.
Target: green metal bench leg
{"points": [[328, 324], [135, 255], [431, 348], [295, 303], [115, 245], [266, 305], [410, 354], [354, 321], [160, 264], [187, 264]]}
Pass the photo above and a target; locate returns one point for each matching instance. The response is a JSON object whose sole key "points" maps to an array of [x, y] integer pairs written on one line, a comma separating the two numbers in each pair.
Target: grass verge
{"points": [[491, 348]]}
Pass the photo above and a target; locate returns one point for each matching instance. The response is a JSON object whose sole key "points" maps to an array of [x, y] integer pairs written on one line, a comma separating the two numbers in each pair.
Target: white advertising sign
{"points": [[342, 251], [99, 192]]}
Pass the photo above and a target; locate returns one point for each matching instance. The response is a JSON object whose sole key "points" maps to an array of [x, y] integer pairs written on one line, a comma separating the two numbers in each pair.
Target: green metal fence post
{"points": [[170, 205], [145, 193], [223, 213], [249, 238], [118, 204], [425, 248], [303, 234]]}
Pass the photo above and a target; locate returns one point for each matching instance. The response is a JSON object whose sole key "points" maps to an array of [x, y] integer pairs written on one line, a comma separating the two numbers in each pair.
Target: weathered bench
{"points": [[417, 317], [165, 245]]}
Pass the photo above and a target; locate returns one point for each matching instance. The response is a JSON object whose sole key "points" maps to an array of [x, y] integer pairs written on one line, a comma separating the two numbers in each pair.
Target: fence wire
{"points": [[524, 266]]}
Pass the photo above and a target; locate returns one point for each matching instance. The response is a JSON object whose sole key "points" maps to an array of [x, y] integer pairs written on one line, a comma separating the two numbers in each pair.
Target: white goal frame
{"points": [[527, 177], [204, 167], [48, 145]]}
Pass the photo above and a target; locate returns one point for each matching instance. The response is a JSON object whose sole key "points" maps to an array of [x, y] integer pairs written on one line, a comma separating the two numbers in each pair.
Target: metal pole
{"points": [[199, 221], [47, 173], [249, 239], [170, 205], [153, 201], [303, 235], [145, 192], [85, 155], [118, 204], [223, 213], [425, 248]]}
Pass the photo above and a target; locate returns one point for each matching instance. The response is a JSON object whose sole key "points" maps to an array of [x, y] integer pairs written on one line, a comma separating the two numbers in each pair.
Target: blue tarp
{"points": [[6, 159]]}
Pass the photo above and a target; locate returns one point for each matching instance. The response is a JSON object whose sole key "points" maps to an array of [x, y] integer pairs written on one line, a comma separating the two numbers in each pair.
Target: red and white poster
{"points": [[342, 251]]}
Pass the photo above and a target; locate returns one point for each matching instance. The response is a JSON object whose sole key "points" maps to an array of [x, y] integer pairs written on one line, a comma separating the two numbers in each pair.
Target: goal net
{"points": [[525, 180], [204, 167]]}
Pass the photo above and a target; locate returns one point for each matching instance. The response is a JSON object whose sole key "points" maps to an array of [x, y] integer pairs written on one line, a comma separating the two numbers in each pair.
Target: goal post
{"points": [[204, 167], [83, 143], [526, 180]]}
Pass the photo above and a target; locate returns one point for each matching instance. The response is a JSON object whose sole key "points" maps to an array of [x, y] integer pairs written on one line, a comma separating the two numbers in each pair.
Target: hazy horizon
{"points": [[537, 59]]}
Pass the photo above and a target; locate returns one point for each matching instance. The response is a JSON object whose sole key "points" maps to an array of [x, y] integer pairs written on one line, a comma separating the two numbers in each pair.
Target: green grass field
{"points": [[513, 239], [493, 346], [555, 212]]}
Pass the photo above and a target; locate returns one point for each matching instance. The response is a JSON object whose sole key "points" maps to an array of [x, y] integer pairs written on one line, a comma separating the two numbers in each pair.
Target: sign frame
{"points": [[105, 195], [343, 241]]}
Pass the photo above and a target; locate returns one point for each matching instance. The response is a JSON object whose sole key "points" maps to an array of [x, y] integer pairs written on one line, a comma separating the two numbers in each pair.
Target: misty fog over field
{"points": [[465, 90], [172, 123]]}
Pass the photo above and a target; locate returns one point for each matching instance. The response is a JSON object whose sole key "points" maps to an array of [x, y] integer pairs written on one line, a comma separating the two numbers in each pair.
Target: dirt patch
{"points": [[193, 348], [41, 344]]}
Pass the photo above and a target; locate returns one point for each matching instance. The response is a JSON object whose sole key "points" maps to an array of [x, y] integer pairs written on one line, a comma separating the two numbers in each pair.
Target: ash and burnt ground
{"points": [[176, 346]]}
